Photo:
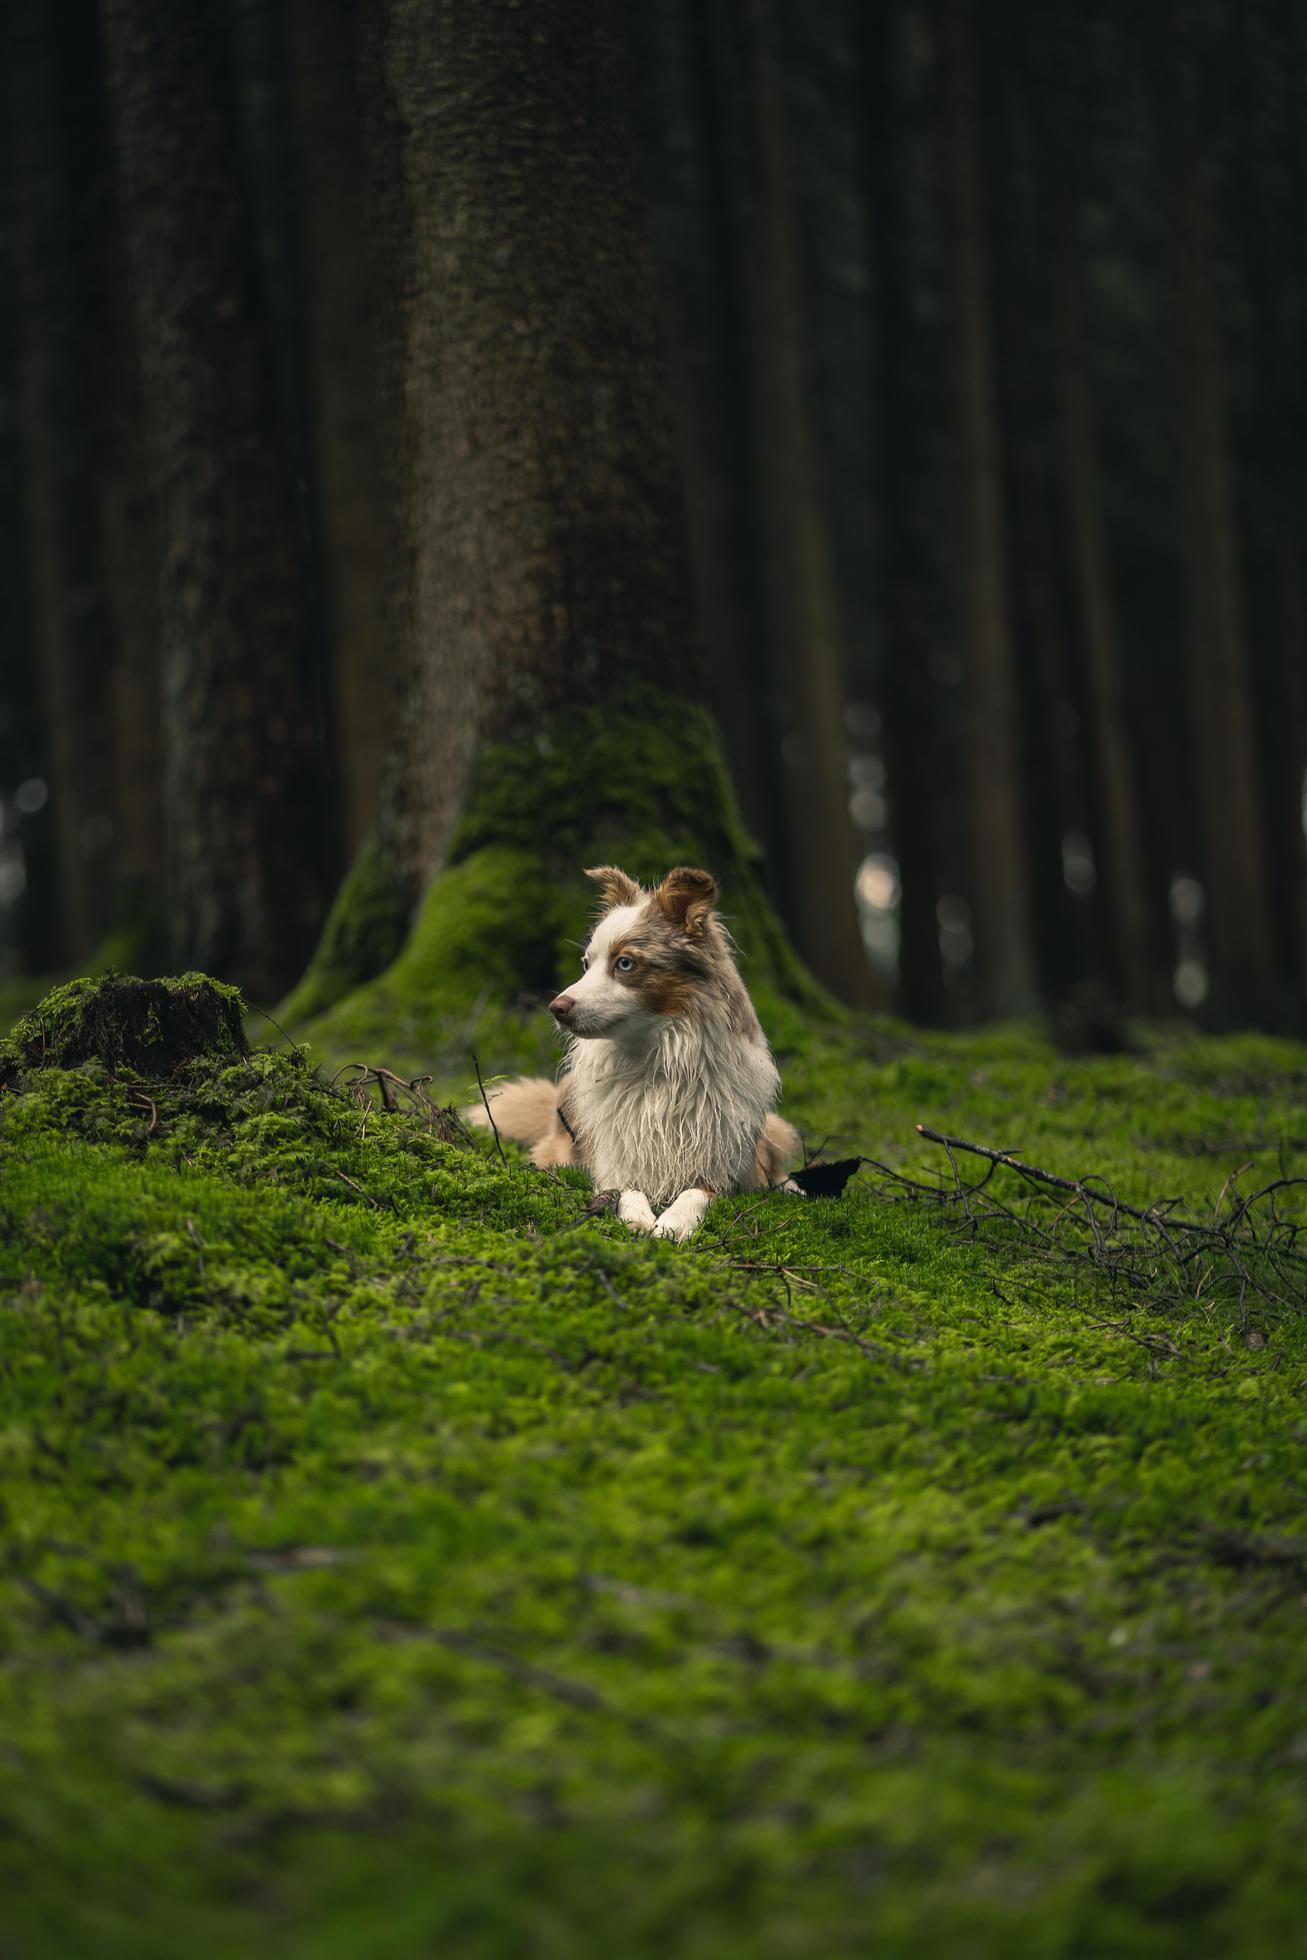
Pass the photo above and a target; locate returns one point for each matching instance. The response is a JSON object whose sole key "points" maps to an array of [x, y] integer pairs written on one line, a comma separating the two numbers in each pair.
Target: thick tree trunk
{"points": [[340, 330], [241, 759], [138, 940], [807, 628], [688, 74], [1121, 877], [1265, 199], [907, 695], [1000, 860], [29, 926], [541, 543], [1241, 940], [543, 638], [55, 127]]}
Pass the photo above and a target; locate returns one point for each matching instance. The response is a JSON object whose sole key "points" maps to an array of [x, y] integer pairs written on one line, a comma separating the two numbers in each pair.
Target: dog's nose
{"points": [[561, 1006]]}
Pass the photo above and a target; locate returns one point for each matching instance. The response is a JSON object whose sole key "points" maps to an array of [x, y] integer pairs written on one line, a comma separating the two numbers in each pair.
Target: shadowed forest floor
{"points": [[403, 1559]]}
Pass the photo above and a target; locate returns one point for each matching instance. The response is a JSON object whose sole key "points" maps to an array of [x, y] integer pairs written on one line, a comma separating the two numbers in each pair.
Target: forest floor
{"points": [[403, 1559]]}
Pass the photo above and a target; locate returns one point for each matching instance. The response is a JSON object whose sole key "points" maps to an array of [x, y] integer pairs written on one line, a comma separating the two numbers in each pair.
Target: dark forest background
{"points": [[983, 329]]}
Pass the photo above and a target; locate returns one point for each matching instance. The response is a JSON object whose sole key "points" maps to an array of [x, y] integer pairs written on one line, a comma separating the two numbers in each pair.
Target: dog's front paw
{"points": [[635, 1212], [682, 1217]]}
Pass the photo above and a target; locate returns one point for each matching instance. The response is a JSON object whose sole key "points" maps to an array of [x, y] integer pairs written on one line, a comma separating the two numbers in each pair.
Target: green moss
{"points": [[400, 1559]]}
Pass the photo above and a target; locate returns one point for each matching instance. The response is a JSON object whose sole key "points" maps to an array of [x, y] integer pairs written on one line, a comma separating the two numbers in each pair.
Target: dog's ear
{"points": [[686, 897], [616, 887]]}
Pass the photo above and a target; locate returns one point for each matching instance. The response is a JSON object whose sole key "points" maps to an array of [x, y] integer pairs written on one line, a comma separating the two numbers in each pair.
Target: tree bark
{"points": [[341, 411], [806, 641], [1000, 864], [29, 926], [1264, 205], [1131, 965], [906, 690], [541, 547], [55, 125], [687, 66], [1241, 942], [548, 676], [242, 772]]}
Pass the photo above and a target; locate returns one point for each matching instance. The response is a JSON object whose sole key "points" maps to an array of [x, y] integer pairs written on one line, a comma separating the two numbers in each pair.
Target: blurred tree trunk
{"points": [[1000, 858], [906, 691], [55, 130], [138, 935], [1025, 372], [29, 926], [543, 636], [686, 64], [242, 773], [1264, 209], [268, 78], [341, 408], [1241, 939], [807, 629], [1124, 907]]}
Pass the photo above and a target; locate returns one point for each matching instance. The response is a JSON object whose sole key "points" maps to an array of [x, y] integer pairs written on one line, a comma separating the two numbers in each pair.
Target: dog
{"points": [[670, 1091]]}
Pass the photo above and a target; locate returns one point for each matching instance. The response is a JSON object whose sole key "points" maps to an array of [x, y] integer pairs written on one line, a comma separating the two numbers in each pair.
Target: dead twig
{"points": [[1248, 1249], [489, 1116]]}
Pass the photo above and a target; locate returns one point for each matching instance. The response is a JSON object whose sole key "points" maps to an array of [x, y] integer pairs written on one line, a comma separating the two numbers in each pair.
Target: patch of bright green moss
{"points": [[402, 1559]]}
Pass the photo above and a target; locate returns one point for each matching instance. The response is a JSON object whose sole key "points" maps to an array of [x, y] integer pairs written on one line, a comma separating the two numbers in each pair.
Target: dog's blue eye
{"points": [[625, 963]]}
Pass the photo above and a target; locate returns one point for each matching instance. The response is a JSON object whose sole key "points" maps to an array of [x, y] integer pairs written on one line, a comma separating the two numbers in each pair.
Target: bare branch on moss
{"points": [[489, 1115], [399, 1094], [1248, 1249]]}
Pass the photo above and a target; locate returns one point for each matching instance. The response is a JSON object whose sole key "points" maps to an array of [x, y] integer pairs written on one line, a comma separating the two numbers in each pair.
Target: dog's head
{"points": [[652, 954]]}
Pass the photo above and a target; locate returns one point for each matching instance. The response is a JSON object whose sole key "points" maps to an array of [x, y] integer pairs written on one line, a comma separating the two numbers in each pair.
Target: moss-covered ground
{"points": [[400, 1559]]}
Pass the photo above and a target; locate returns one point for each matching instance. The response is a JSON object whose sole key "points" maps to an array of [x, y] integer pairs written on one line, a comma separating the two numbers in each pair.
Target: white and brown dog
{"points": [[670, 1088]]}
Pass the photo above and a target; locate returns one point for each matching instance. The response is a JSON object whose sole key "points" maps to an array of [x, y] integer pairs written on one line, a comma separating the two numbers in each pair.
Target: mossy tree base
{"points": [[500, 929]]}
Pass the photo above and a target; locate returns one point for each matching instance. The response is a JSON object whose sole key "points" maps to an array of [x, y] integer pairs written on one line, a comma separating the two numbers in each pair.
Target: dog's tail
{"points": [[778, 1146], [527, 1111]]}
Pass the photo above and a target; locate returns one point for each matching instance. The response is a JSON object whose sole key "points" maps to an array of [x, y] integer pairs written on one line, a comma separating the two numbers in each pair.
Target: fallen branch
{"points": [[1247, 1250]]}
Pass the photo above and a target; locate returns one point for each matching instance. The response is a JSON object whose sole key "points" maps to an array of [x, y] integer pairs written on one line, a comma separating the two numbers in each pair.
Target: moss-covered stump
{"points": [[148, 1027]]}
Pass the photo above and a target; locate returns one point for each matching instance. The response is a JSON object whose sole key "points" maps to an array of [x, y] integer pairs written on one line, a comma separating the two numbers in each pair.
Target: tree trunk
{"points": [[29, 926], [1000, 874], [542, 633], [806, 640], [242, 771], [1241, 940], [692, 160], [906, 690], [53, 116], [1121, 879], [340, 329], [1265, 202]]}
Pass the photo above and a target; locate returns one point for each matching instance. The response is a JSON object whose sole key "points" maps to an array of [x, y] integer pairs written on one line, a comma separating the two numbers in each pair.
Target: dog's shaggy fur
{"points": [[670, 1088]]}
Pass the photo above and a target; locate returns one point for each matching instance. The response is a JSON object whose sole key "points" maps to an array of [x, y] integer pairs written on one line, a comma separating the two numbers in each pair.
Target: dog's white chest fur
{"points": [[682, 1106]]}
